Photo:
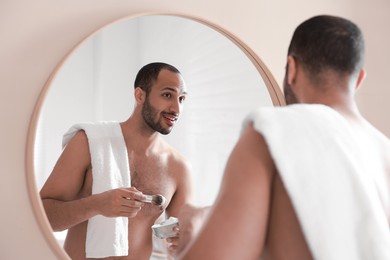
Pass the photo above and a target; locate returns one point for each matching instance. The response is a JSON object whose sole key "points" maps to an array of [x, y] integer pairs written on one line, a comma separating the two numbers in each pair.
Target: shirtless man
{"points": [[156, 168], [253, 216]]}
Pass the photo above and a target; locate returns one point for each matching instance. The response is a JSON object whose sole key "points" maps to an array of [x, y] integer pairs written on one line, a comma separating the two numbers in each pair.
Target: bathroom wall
{"points": [[36, 35]]}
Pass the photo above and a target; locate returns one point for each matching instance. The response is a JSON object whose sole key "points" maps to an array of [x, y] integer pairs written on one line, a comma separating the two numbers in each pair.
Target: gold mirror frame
{"points": [[272, 86]]}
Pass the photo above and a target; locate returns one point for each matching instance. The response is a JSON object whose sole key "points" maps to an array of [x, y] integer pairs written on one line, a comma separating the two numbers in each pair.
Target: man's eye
{"points": [[181, 99], [167, 95]]}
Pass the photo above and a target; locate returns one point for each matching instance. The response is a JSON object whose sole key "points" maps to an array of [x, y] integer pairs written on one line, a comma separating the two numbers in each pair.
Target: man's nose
{"points": [[176, 106]]}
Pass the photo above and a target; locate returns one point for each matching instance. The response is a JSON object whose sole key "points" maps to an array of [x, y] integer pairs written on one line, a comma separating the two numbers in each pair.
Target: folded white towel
{"points": [[110, 170], [333, 177]]}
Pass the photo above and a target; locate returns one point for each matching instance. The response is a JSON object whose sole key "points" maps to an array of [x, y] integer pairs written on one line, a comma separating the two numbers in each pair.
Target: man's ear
{"points": [[292, 69], [361, 77], [139, 95]]}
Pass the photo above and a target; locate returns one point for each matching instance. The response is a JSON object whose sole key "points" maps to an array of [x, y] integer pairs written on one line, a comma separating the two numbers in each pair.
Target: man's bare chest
{"points": [[152, 175]]}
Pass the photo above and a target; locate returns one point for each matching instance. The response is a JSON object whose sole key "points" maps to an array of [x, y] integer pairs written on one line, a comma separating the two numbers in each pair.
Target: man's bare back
{"points": [[255, 198], [334, 167]]}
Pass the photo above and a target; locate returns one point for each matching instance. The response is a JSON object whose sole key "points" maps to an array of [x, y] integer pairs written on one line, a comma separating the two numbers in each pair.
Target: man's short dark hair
{"points": [[148, 74], [328, 43]]}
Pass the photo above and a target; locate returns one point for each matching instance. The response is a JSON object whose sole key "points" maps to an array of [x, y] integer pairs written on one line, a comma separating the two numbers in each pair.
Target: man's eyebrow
{"points": [[174, 90]]}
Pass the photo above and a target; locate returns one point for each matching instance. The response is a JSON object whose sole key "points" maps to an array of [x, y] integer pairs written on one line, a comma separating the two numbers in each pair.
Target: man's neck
{"points": [[138, 136], [337, 92]]}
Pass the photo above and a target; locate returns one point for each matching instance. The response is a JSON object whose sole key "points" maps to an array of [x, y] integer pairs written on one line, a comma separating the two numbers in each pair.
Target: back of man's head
{"points": [[324, 43]]}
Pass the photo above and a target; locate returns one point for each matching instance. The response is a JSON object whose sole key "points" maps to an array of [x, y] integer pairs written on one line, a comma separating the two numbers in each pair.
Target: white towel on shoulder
{"points": [[332, 178], [110, 170]]}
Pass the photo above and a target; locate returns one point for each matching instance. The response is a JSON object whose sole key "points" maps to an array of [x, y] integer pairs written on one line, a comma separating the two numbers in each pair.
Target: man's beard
{"points": [[149, 113]]}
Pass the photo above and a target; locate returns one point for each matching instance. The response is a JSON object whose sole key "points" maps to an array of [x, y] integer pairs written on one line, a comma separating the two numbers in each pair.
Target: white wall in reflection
{"points": [[96, 83]]}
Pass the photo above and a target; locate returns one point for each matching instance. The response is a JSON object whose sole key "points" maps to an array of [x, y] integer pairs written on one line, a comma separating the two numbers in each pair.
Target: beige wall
{"points": [[36, 35]]}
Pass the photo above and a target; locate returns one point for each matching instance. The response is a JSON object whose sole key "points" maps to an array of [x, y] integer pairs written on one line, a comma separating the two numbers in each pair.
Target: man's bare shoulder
{"points": [[68, 175], [181, 165], [79, 139], [174, 156], [179, 168]]}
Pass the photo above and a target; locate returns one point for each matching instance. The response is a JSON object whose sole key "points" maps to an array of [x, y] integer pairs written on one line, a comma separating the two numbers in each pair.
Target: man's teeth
{"points": [[171, 118]]}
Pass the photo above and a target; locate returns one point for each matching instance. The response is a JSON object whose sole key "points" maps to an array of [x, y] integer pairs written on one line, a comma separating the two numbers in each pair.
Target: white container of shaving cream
{"points": [[164, 229]]}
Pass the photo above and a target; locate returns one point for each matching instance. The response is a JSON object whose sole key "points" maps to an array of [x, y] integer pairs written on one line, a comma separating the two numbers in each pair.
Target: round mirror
{"points": [[224, 79]]}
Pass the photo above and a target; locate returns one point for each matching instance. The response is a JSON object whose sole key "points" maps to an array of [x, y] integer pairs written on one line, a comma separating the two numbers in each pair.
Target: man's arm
{"points": [[64, 204], [241, 210], [184, 189], [191, 219], [182, 196]]}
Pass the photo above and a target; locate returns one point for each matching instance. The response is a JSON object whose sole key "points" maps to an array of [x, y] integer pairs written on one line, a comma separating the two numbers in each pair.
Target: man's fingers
{"points": [[128, 210], [176, 229], [173, 240], [132, 203], [172, 249], [133, 194], [138, 196]]}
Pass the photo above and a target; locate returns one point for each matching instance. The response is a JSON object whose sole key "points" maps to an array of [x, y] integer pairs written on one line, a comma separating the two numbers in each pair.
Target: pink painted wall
{"points": [[36, 35]]}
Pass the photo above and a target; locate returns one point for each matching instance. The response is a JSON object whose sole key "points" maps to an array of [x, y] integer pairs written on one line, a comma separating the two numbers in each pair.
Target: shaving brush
{"points": [[157, 199]]}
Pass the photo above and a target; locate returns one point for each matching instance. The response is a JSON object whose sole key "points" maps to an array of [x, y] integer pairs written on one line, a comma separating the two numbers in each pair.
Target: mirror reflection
{"points": [[95, 83]]}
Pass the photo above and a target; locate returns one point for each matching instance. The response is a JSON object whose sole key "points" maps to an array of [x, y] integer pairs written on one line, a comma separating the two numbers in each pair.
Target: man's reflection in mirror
{"points": [[98, 189]]}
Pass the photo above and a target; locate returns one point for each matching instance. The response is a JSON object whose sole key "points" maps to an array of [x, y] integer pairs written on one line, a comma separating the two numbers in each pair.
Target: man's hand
{"points": [[121, 202], [173, 242], [191, 219]]}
